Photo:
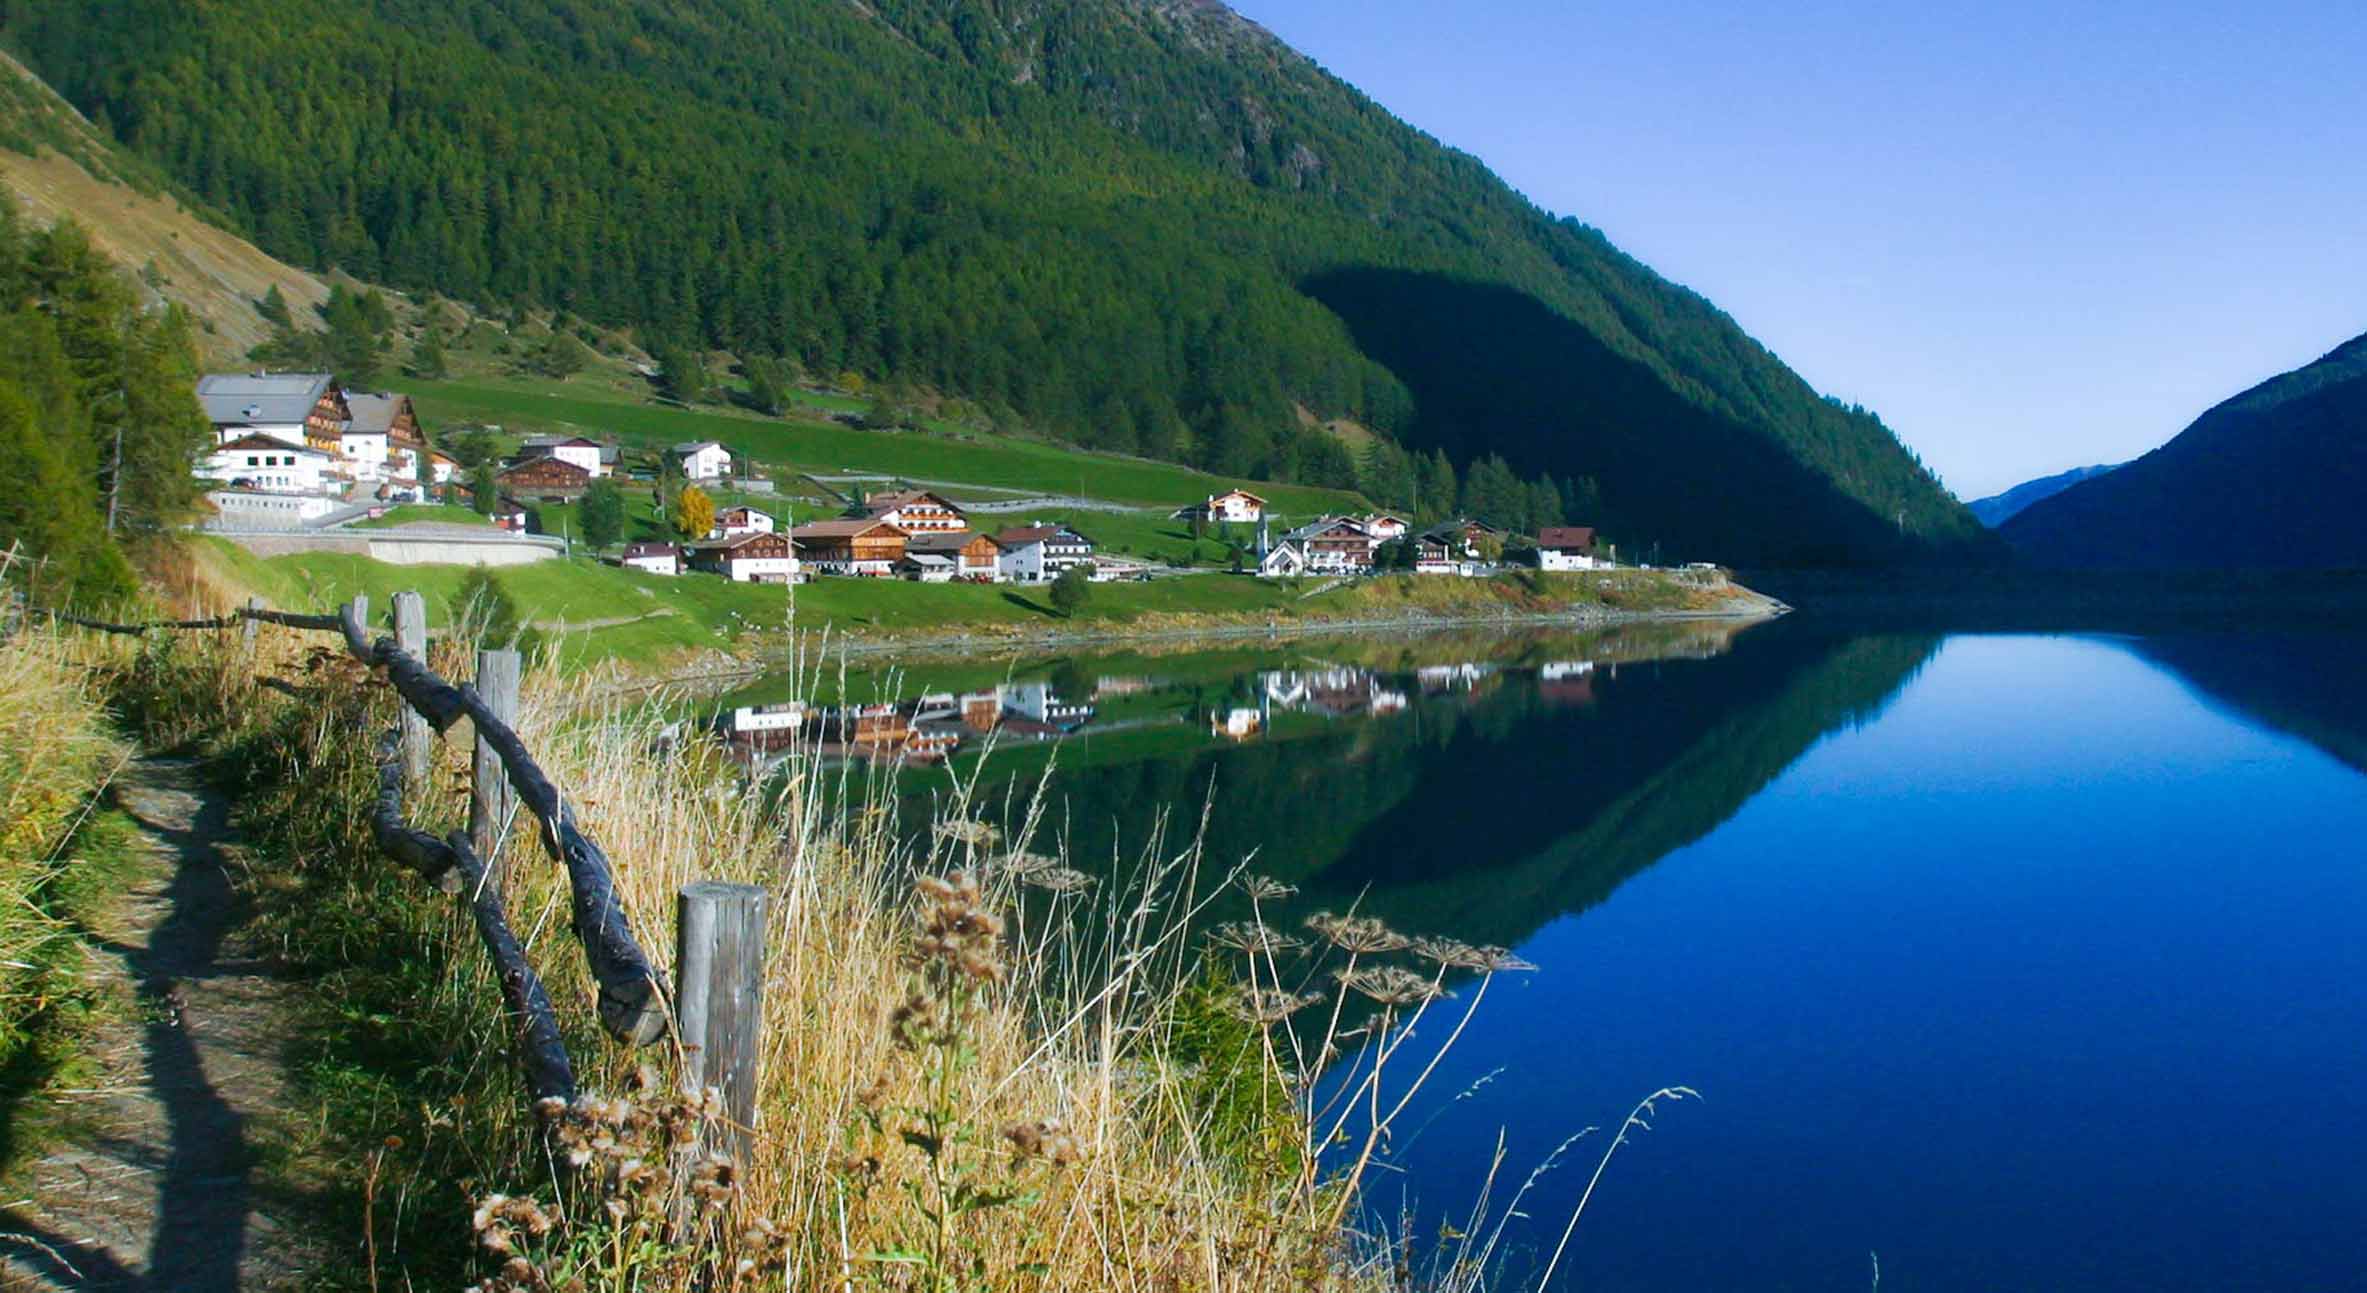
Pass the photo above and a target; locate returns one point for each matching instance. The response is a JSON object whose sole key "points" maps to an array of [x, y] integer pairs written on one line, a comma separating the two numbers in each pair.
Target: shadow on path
{"points": [[164, 1184]]}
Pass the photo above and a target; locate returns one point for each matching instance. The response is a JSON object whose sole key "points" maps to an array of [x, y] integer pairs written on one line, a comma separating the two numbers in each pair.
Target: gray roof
{"points": [[693, 446], [373, 414], [248, 398]]}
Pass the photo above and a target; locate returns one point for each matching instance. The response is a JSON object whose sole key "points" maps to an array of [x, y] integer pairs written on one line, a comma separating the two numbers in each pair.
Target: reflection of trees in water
{"points": [[2309, 684], [1484, 811]]}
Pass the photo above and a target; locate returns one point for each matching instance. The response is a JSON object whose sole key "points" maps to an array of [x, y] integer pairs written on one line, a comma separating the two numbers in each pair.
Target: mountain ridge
{"points": [[1998, 508], [2274, 477]]}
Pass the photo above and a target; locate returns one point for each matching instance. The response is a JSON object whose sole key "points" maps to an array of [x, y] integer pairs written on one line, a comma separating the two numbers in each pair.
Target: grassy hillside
{"points": [[1126, 221], [55, 164], [2275, 478]]}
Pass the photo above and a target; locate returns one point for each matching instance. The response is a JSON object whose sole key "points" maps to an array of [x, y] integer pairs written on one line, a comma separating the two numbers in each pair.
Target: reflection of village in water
{"points": [[934, 726]]}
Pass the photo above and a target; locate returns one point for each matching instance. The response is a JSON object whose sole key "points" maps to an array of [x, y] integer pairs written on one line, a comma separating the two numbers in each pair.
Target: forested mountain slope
{"points": [[2274, 478], [1144, 224]]}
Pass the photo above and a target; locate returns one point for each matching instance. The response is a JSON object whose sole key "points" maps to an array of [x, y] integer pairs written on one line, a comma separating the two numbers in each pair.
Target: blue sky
{"points": [[2031, 235]]}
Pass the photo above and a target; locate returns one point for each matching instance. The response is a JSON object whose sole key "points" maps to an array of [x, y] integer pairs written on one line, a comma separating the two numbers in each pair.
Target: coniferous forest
{"points": [[98, 415], [1142, 225]]}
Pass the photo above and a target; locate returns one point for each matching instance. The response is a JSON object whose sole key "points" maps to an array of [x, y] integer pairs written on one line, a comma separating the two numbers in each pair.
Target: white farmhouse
{"points": [[1036, 554], [702, 460], [1234, 505], [269, 464], [573, 450], [1566, 547], [653, 558], [732, 522]]}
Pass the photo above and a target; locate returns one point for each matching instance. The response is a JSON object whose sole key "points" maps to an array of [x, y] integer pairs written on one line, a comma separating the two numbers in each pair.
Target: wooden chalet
{"points": [[850, 546], [545, 480], [976, 556]]}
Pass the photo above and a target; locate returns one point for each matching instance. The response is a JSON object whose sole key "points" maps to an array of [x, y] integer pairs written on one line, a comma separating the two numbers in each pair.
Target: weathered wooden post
{"points": [[490, 797], [410, 627], [719, 1009], [252, 626]]}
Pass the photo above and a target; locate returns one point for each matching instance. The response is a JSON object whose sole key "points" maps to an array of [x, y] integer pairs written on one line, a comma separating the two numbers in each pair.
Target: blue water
{"points": [[2050, 975]]}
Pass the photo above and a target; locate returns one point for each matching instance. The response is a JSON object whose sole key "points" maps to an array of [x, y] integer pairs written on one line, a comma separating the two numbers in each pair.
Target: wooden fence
{"points": [[721, 927]]}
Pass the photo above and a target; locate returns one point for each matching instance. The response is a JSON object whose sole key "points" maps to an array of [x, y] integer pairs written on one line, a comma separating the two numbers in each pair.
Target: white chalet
{"points": [[655, 558], [1566, 547], [915, 511], [270, 465], [1237, 505], [573, 450], [732, 522], [702, 460], [1035, 554], [288, 407]]}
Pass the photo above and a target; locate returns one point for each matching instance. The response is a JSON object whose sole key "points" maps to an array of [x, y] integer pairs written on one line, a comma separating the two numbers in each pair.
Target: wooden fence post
{"points": [[490, 797], [719, 1012], [252, 625], [410, 627]]}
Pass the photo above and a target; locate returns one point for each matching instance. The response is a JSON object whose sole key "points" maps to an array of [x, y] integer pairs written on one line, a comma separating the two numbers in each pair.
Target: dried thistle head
{"points": [[1268, 1005], [1361, 935], [1256, 938], [1046, 1138], [1390, 985], [1265, 888]]}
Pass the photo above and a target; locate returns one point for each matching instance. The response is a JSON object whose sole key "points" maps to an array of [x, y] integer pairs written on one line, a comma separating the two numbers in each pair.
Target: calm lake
{"points": [[2011, 962]]}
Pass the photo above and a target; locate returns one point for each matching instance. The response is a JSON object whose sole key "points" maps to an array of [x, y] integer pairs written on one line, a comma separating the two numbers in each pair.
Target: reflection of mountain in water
{"points": [[1478, 800], [2309, 684]]}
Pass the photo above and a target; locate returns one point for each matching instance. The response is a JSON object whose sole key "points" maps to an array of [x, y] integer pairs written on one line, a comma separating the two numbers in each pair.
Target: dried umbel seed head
{"points": [[1391, 985], [1268, 1005], [1361, 935], [1046, 1138], [973, 833], [1060, 879], [1265, 888], [1453, 954], [1022, 864], [1255, 938]]}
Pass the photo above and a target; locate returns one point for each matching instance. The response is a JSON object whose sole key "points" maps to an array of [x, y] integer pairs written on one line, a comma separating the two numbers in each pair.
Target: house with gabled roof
{"points": [[1566, 547], [289, 407], [1040, 553], [914, 511], [1234, 505], [576, 450], [545, 480], [976, 557], [850, 546], [1334, 545], [701, 460]]}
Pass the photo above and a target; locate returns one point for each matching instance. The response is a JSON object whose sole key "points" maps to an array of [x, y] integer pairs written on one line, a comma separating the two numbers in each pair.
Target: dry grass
{"points": [[987, 1065], [57, 751]]}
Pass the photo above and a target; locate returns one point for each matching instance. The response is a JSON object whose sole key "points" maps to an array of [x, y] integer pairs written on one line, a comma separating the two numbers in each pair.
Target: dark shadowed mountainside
{"points": [[2275, 478], [1997, 509], [1141, 225]]}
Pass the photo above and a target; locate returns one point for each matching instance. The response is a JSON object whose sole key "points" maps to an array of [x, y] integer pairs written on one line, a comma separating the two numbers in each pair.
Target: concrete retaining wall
{"points": [[400, 549]]}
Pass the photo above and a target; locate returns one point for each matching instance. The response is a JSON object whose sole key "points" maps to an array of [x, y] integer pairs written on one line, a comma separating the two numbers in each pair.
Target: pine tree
{"points": [[603, 515]]}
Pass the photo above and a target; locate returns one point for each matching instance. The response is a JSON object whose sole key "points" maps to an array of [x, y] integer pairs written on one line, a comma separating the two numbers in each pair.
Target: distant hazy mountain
{"points": [[2276, 477], [1997, 509]]}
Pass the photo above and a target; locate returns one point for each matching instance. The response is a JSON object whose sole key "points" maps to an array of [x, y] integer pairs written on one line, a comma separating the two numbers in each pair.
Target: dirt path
{"points": [[156, 1188]]}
